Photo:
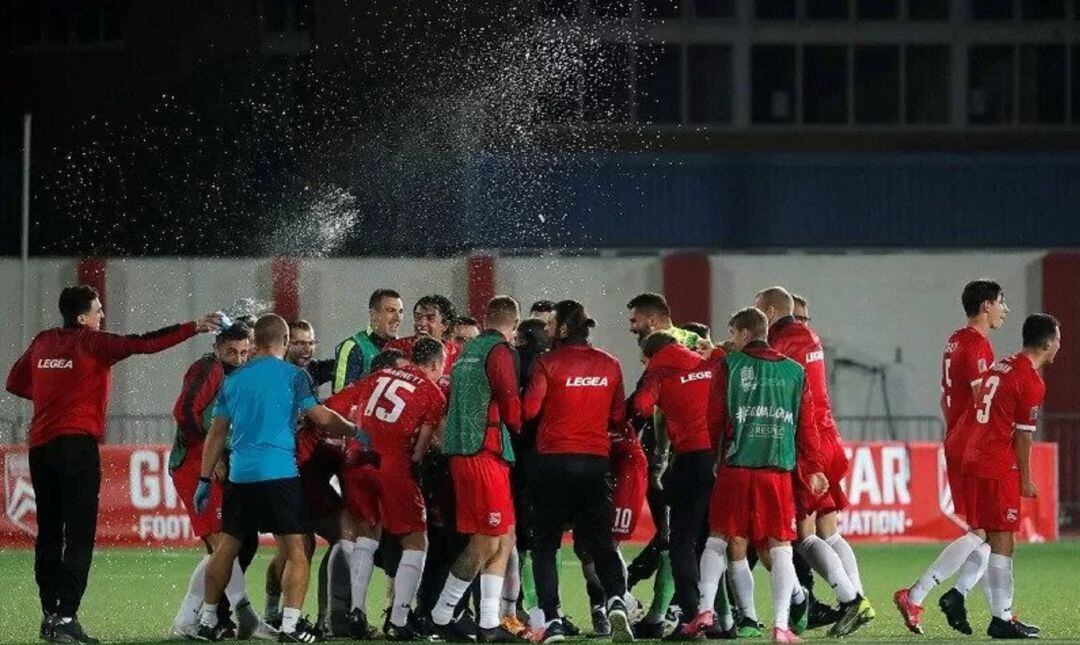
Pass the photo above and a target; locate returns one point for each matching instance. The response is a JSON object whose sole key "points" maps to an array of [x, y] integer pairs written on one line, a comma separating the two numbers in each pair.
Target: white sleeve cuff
{"points": [[1023, 427]]}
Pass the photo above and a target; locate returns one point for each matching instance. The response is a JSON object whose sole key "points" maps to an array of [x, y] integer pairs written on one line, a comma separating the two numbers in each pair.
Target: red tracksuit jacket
{"points": [[66, 372], [578, 392], [678, 380]]}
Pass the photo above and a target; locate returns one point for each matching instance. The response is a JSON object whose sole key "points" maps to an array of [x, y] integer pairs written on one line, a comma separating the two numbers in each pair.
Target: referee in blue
{"points": [[258, 407]]}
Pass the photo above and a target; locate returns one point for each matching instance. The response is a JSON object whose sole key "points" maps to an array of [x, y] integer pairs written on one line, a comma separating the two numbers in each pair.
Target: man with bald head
{"points": [[257, 407], [820, 544]]}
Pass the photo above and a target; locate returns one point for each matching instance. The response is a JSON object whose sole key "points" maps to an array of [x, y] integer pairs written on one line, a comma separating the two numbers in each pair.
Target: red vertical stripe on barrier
{"points": [[285, 273], [688, 287], [91, 272], [481, 284], [1060, 286]]}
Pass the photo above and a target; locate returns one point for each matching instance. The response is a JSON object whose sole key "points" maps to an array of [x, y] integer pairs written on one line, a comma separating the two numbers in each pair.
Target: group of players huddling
{"points": [[464, 453]]}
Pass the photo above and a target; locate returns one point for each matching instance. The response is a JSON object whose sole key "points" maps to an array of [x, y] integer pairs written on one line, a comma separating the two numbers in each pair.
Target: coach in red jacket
{"points": [[678, 381], [66, 373], [577, 391]]}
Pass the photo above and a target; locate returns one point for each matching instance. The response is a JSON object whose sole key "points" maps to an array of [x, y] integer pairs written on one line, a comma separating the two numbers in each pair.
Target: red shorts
{"points": [[361, 488], [954, 469], [401, 504], [482, 494], [320, 497], [753, 503], [628, 498], [185, 480], [993, 504], [834, 500]]}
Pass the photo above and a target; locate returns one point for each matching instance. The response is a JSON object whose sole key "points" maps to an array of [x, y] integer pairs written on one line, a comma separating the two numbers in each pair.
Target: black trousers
{"points": [[688, 484], [66, 473], [573, 490]]}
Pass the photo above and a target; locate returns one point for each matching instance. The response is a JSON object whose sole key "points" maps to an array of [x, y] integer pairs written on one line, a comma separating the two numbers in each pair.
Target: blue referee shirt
{"points": [[262, 401]]}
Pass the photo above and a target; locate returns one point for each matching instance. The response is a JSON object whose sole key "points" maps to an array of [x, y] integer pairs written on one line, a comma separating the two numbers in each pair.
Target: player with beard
{"points": [[820, 544], [354, 354], [301, 353], [968, 353], [433, 317], [576, 391], [649, 313], [192, 413], [678, 381]]}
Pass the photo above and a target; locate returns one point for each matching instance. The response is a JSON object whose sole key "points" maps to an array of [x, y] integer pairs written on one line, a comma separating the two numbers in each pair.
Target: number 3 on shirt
{"points": [[982, 415], [386, 388]]}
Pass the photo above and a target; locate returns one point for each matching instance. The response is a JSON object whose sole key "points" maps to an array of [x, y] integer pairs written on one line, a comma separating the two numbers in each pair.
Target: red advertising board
{"points": [[898, 492]]}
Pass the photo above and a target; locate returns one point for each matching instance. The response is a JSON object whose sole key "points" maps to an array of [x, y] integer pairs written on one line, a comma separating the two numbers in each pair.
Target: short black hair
{"points": [[572, 314], [701, 329], [236, 331], [976, 293], [533, 334], [76, 301], [656, 341], [427, 350], [543, 306], [466, 320], [386, 359], [378, 295], [1039, 330], [653, 302], [439, 302]]}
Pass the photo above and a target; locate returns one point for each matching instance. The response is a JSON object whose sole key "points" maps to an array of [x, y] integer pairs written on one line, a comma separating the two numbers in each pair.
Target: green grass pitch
{"points": [[133, 593]]}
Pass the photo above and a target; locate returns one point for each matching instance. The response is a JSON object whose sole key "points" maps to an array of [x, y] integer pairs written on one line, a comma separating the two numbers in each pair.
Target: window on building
{"points": [[557, 8], [606, 95], [926, 72], [827, 9], [661, 9], [773, 83], [1042, 9], [928, 9], [1042, 83], [878, 9], [709, 81], [990, 84], [714, 8], [992, 9], [557, 96], [774, 9], [610, 8], [659, 97], [825, 84], [877, 84], [87, 26]]}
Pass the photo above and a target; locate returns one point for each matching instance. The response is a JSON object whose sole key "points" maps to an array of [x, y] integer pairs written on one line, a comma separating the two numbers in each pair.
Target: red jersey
{"points": [[67, 373], [800, 343], [406, 346], [393, 405], [1008, 400], [809, 455], [201, 383], [578, 391], [678, 380], [968, 354]]}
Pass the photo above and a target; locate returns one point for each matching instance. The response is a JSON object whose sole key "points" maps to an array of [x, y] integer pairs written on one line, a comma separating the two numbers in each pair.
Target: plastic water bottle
{"points": [[226, 322]]}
